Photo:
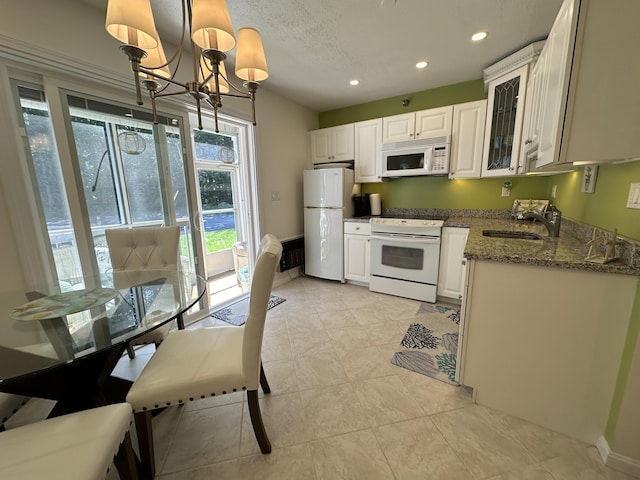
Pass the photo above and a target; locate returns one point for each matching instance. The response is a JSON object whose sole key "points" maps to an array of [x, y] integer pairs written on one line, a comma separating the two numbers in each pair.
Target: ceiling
{"points": [[315, 47]]}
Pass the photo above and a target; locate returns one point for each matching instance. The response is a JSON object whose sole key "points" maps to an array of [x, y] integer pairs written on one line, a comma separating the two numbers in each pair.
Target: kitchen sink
{"points": [[511, 234]]}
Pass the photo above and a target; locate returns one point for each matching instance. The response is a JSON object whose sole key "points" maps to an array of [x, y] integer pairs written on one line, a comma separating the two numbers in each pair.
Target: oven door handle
{"points": [[408, 239]]}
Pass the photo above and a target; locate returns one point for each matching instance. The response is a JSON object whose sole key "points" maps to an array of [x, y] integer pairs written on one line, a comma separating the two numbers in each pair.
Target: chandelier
{"points": [[210, 36]]}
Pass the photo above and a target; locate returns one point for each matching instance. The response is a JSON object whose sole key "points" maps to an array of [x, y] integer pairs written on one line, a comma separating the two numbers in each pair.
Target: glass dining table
{"points": [[63, 343]]}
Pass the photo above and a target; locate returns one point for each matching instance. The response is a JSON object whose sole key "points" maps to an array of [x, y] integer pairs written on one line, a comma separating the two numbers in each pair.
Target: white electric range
{"points": [[405, 257]]}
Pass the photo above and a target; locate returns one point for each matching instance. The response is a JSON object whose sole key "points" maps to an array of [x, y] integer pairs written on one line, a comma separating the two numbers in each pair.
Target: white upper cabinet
{"points": [[333, 144], [507, 84], [532, 117], [435, 122], [368, 148], [399, 128], [467, 137], [554, 72], [590, 108]]}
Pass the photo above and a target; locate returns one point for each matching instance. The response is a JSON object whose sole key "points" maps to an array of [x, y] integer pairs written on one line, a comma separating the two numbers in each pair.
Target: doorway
{"points": [[219, 217], [224, 208]]}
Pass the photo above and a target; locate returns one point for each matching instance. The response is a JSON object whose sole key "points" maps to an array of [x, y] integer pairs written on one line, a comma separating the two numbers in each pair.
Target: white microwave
{"points": [[428, 156]]}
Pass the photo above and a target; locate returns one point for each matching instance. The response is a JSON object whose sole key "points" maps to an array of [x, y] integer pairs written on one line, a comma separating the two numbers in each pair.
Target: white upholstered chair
{"points": [[203, 362], [143, 248], [78, 446]]}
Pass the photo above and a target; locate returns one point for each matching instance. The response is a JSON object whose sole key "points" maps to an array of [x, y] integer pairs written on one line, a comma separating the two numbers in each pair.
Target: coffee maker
{"points": [[361, 205]]}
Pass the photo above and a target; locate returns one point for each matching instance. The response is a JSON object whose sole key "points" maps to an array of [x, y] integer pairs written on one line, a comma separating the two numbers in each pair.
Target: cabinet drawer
{"points": [[357, 228]]}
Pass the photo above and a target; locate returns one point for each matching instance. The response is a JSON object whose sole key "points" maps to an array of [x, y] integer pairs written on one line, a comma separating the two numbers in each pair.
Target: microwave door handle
{"points": [[428, 163]]}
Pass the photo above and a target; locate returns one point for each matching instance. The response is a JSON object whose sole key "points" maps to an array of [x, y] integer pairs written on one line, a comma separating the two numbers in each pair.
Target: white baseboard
{"points": [[284, 277], [622, 463]]}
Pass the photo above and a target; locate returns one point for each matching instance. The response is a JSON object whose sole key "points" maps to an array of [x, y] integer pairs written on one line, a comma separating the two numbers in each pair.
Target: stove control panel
{"points": [[408, 222]]}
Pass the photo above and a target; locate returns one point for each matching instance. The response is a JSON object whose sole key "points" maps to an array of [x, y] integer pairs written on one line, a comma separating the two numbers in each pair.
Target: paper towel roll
{"points": [[376, 208]]}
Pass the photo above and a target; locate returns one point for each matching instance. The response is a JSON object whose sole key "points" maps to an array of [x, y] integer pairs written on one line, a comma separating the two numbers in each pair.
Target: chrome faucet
{"points": [[552, 225]]}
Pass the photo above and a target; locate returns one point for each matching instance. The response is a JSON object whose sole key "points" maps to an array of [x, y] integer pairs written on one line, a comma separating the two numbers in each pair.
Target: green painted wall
{"points": [[436, 97], [440, 192], [606, 207]]}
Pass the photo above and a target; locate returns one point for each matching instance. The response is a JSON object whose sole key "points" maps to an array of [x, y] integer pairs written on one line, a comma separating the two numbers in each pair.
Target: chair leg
{"points": [[256, 422], [125, 460], [263, 380], [131, 352], [145, 442]]}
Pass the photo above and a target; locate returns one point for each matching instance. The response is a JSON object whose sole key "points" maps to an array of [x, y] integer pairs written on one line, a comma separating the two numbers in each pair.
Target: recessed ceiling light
{"points": [[354, 82], [476, 37], [422, 64]]}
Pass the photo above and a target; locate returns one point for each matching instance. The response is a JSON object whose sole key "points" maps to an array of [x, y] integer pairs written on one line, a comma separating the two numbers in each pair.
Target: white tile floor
{"points": [[340, 410]]}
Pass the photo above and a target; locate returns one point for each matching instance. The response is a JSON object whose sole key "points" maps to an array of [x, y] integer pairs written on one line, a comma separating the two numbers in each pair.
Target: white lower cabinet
{"points": [[357, 241], [451, 274], [544, 344]]}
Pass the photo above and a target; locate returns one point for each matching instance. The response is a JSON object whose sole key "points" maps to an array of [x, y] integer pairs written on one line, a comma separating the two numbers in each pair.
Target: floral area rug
{"points": [[431, 343], [236, 313]]}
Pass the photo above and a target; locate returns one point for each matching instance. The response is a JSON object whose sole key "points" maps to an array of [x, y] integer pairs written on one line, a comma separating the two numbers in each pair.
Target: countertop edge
{"points": [[565, 252]]}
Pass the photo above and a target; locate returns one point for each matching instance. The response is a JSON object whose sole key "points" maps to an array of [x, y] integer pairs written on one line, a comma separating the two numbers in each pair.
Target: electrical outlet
{"points": [[554, 190], [633, 201], [275, 196]]}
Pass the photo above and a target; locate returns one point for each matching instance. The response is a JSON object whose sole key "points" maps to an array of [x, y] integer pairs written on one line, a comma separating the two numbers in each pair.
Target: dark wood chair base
{"points": [[125, 460], [256, 422], [145, 444], [263, 381]]}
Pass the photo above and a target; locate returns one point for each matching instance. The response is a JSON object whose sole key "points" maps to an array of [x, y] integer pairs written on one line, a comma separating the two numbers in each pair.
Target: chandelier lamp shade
{"points": [[211, 36]]}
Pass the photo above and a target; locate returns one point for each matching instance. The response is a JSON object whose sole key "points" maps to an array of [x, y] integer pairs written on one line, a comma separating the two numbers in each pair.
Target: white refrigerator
{"points": [[327, 202]]}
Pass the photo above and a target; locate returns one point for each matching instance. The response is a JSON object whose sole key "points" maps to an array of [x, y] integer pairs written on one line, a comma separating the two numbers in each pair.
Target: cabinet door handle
{"points": [[528, 142], [464, 262]]}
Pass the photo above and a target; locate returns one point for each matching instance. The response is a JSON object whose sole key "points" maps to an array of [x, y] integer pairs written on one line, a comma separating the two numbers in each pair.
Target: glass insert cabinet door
{"points": [[504, 123]]}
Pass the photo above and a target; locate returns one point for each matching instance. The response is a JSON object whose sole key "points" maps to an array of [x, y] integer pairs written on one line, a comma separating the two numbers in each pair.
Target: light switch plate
{"points": [[634, 196]]}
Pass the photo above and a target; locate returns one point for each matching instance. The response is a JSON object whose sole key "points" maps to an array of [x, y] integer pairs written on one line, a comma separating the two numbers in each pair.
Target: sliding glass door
{"points": [[123, 170], [131, 172]]}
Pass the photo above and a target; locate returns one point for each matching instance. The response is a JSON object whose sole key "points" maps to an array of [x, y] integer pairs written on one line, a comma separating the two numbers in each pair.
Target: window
{"points": [[129, 172]]}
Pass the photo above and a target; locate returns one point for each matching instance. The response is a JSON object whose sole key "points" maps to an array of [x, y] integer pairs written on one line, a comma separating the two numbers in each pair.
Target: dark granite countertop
{"points": [[568, 251], [565, 251]]}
